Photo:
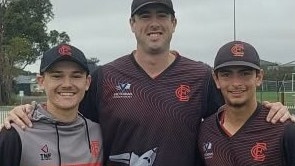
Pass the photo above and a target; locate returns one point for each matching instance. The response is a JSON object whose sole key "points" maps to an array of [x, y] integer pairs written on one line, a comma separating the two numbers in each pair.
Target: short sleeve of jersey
{"points": [[89, 106], [10, 148], [289, 145]]}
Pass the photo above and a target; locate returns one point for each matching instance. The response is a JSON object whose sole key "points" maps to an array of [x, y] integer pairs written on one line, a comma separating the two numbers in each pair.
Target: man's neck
{"points": [[154, 64], [63, 115], [236, 117]]}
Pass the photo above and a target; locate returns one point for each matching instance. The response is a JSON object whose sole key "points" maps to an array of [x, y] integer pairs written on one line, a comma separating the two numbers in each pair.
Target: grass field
{"points": [[288, 98]]}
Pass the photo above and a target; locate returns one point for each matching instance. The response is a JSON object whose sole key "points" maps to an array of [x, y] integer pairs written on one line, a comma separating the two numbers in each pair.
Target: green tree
{"points": [[23, 38], [278, 74], [92, 63]]}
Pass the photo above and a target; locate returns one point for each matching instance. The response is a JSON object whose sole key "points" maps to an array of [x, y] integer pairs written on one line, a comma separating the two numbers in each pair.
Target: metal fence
{"points": [[3, 112], [283, 91], [274, 86]]}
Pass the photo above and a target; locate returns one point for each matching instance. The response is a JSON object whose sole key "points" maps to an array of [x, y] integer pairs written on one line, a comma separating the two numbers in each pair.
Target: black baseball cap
{"points": [[138, 4], [63, 52], [237, 53]]}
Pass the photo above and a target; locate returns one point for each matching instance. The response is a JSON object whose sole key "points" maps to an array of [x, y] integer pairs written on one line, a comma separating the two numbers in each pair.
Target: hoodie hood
{"points": [[41, 115]]}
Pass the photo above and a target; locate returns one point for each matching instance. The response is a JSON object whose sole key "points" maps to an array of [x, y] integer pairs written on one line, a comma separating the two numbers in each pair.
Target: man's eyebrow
{"points": [[224, 70], [79, 71], [54, 71]]}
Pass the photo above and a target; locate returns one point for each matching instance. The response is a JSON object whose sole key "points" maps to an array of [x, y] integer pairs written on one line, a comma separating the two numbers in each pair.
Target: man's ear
{"points": [[174, 22], [215, 77], [88, 81], [131, 23], [259, 77], [40, 80]]}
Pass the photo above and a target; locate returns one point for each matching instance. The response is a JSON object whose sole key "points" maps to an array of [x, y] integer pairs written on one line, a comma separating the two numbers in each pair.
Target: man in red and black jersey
{"points": [[150, 102], [238, 134]]}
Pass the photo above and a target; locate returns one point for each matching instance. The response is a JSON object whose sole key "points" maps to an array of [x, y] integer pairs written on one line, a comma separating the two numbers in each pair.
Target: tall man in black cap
{"points": [[150, 102], [237, 134]]}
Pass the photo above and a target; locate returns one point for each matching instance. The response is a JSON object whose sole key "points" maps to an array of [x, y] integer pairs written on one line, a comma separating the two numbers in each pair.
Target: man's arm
{"points": [[289, 145], [20, 116], [10, 148], [277, 112]]}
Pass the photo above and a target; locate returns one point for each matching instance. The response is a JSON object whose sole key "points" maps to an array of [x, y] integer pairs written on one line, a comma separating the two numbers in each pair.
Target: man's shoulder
{"points": [[209, 120], [10, 147], [92, 123], [9, 133], [121, 60], [290, 129], [117, 63], [196, 64]]}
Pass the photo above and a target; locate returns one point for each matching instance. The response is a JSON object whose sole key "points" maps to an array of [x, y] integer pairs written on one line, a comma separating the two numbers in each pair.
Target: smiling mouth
{"points": [[155, 34], [66, 93], [236, 92]]}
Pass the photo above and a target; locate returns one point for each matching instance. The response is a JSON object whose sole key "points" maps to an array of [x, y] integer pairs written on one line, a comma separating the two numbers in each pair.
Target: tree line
{"points": [[24, 36]]}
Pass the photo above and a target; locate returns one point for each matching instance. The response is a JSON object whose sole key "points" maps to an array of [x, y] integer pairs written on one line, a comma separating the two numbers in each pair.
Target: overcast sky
{"points": [[100, 28]]}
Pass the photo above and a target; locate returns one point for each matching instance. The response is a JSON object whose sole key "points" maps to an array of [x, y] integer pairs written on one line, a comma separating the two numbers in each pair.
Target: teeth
{"points": [[236, 91], [154, 34], [67, 94]]}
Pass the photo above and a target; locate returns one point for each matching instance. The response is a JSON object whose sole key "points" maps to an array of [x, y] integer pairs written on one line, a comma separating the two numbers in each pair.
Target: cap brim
{"points": [[65, 59], [148, 3], [237, 63]]}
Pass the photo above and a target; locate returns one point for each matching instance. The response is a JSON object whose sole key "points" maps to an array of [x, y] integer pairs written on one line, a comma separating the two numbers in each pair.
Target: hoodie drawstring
{"points": [[58, 150], [87, 131]]}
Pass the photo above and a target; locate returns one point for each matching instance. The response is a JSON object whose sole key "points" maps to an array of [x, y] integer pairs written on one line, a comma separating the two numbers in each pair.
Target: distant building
{"points": [[290, 65], [269, 65], [275, 66], [27, 84]]}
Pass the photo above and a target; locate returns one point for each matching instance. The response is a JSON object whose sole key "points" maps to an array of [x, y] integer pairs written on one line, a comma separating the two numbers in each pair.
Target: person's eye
{"points": [[224, 74], [77, 76], [144, 16], [246, 73], [55, 75], [163, 15]]}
